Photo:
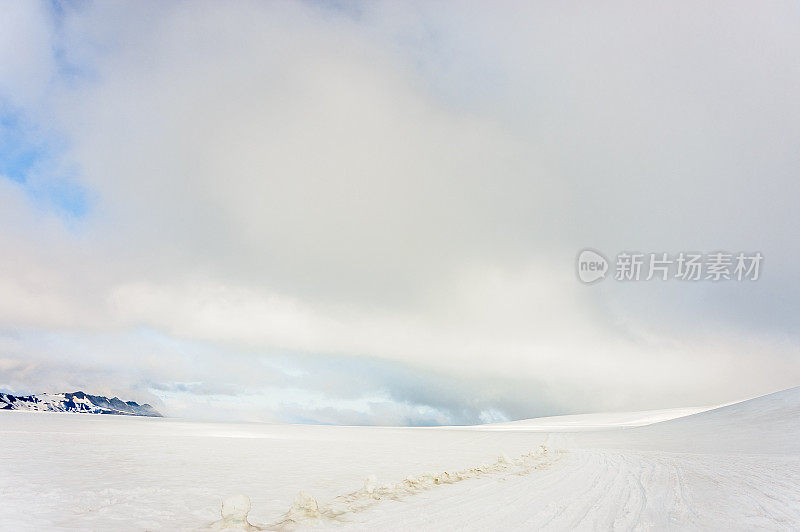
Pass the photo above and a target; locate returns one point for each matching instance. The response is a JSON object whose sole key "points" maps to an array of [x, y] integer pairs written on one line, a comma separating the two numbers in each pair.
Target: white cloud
{"points": [[26, 60], [411, 184]]}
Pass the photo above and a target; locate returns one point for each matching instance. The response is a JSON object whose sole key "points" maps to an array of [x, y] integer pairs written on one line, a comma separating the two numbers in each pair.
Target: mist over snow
{"points": [[369, 212]]}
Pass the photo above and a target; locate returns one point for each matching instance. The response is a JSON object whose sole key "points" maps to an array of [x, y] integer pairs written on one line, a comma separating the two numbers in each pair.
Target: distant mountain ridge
{"points": [[76, 402]]}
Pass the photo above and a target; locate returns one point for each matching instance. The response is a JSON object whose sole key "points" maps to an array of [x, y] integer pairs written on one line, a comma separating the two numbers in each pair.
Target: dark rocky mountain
{"points": [[76, 402]]}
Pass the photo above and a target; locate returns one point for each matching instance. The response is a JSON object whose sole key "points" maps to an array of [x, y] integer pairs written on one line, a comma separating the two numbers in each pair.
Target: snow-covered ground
{"points": [[734, 467]]}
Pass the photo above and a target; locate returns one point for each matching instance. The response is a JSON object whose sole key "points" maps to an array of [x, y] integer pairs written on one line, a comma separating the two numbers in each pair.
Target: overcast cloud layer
{"points": [[370, 212]]}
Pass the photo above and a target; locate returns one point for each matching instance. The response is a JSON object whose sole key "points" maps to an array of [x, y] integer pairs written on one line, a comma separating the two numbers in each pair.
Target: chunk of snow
{"points": [[304, 506], [236, 507], [370, 483], [234, 514]]}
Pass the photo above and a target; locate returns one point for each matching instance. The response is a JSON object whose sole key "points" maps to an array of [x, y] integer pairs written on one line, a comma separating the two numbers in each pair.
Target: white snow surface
{"points": [[735, 467]]}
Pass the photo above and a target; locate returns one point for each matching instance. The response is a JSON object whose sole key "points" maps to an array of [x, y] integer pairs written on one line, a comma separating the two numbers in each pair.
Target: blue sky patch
{"points": [[33, 159]]}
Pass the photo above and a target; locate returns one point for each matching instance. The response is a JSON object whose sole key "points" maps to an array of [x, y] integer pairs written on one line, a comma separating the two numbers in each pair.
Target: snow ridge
{"points": [[305, 509]]}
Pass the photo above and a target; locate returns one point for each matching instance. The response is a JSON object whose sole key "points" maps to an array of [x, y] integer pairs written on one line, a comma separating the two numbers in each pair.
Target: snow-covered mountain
{"points": [[76, 402]]}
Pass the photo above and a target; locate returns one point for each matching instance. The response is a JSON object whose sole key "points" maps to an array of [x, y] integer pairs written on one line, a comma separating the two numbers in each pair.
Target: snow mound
{"points": [[236, 507], [304, 507], [234, 514], [370, 483]]}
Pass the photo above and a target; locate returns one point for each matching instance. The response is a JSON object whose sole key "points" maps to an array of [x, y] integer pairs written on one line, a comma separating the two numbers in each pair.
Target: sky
{"points": [[369, 212]]}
